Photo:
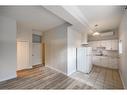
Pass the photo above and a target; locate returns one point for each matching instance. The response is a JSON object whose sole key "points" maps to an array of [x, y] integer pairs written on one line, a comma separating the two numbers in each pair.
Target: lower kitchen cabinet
{"points": [[105, 61], [96, 60], [113, 62]]}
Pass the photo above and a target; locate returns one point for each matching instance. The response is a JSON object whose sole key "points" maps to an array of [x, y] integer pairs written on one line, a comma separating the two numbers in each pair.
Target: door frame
{"points": [[43, 54]]}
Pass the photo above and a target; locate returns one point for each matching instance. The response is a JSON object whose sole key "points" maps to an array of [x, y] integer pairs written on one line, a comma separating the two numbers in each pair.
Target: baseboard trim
{"points": [[68, 74], [25, 69], [121, 79], [38, 65], [4, 81], [56, 70]]}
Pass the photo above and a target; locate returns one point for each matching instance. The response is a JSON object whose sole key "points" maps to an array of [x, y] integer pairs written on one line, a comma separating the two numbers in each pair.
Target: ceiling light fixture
{"points": [[96, 33]]}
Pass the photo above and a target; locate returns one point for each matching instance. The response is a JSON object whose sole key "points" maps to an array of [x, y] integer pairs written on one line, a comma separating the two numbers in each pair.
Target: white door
{"points": [[80, 59], [22, 55], [36, 53]]}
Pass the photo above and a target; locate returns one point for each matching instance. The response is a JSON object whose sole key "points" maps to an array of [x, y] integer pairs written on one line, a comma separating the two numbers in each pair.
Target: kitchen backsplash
{"points": [[105, 53], [111, 53]]}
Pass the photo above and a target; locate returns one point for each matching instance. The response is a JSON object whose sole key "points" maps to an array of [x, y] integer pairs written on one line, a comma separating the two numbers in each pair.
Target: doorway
{"points": [[22, 55], [36, 54], [43, 54]]}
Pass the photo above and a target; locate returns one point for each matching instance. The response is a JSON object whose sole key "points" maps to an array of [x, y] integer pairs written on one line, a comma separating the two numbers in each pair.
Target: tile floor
{"points": [[100, 78]]}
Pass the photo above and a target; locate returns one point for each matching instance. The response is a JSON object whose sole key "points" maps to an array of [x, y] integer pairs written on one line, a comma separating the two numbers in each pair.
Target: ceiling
{"points": [[36, 17], [39, 18], [106, 17]]}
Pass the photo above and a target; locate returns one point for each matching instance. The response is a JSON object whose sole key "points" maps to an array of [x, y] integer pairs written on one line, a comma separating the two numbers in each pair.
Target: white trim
{"points": [[56, 70], [122, 79], [30, 67], [68, 74]]}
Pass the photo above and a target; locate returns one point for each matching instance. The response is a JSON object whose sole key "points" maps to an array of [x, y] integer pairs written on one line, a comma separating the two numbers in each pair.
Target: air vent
{"points": [[107, 34]]}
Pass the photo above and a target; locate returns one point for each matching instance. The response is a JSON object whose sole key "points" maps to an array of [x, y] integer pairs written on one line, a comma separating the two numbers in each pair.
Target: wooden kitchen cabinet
{"points": [[105, 61], [114, 44], [98, 43], [113, 62], [96, 60], [111, 44], [92, 44], [103, 43], [108, 44], [109, 61]]}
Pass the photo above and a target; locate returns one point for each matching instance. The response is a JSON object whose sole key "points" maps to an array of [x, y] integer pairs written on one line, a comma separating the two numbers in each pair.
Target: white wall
{"points": [[123, 56], [73, 41], [56, 48], [25, 34], [84, 37], [7, 48]]}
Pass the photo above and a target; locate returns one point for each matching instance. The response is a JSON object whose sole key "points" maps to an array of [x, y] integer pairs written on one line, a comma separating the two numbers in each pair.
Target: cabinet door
{"points": [[115, 63], [108, 45], [103, 44], [96, 60], [114, 44], [104, 61]]}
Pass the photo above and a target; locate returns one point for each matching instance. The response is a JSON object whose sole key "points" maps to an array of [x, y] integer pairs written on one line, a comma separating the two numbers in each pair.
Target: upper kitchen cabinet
{"points": [[114, 44], [93, 44], [98, 43], [111, 45], [108, 44], [103, 43]]}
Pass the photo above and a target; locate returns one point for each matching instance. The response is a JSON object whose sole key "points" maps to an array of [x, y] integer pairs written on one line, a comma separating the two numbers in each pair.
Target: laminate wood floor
{"points": [[100, 78], [42, 78]]}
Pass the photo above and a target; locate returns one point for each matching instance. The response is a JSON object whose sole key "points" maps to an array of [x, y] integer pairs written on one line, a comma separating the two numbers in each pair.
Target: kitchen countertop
{"points": [[107, 56]]}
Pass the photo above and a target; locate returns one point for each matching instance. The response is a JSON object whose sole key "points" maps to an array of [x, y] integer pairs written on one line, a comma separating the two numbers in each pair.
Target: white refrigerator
{"points": [[84, 59]]}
